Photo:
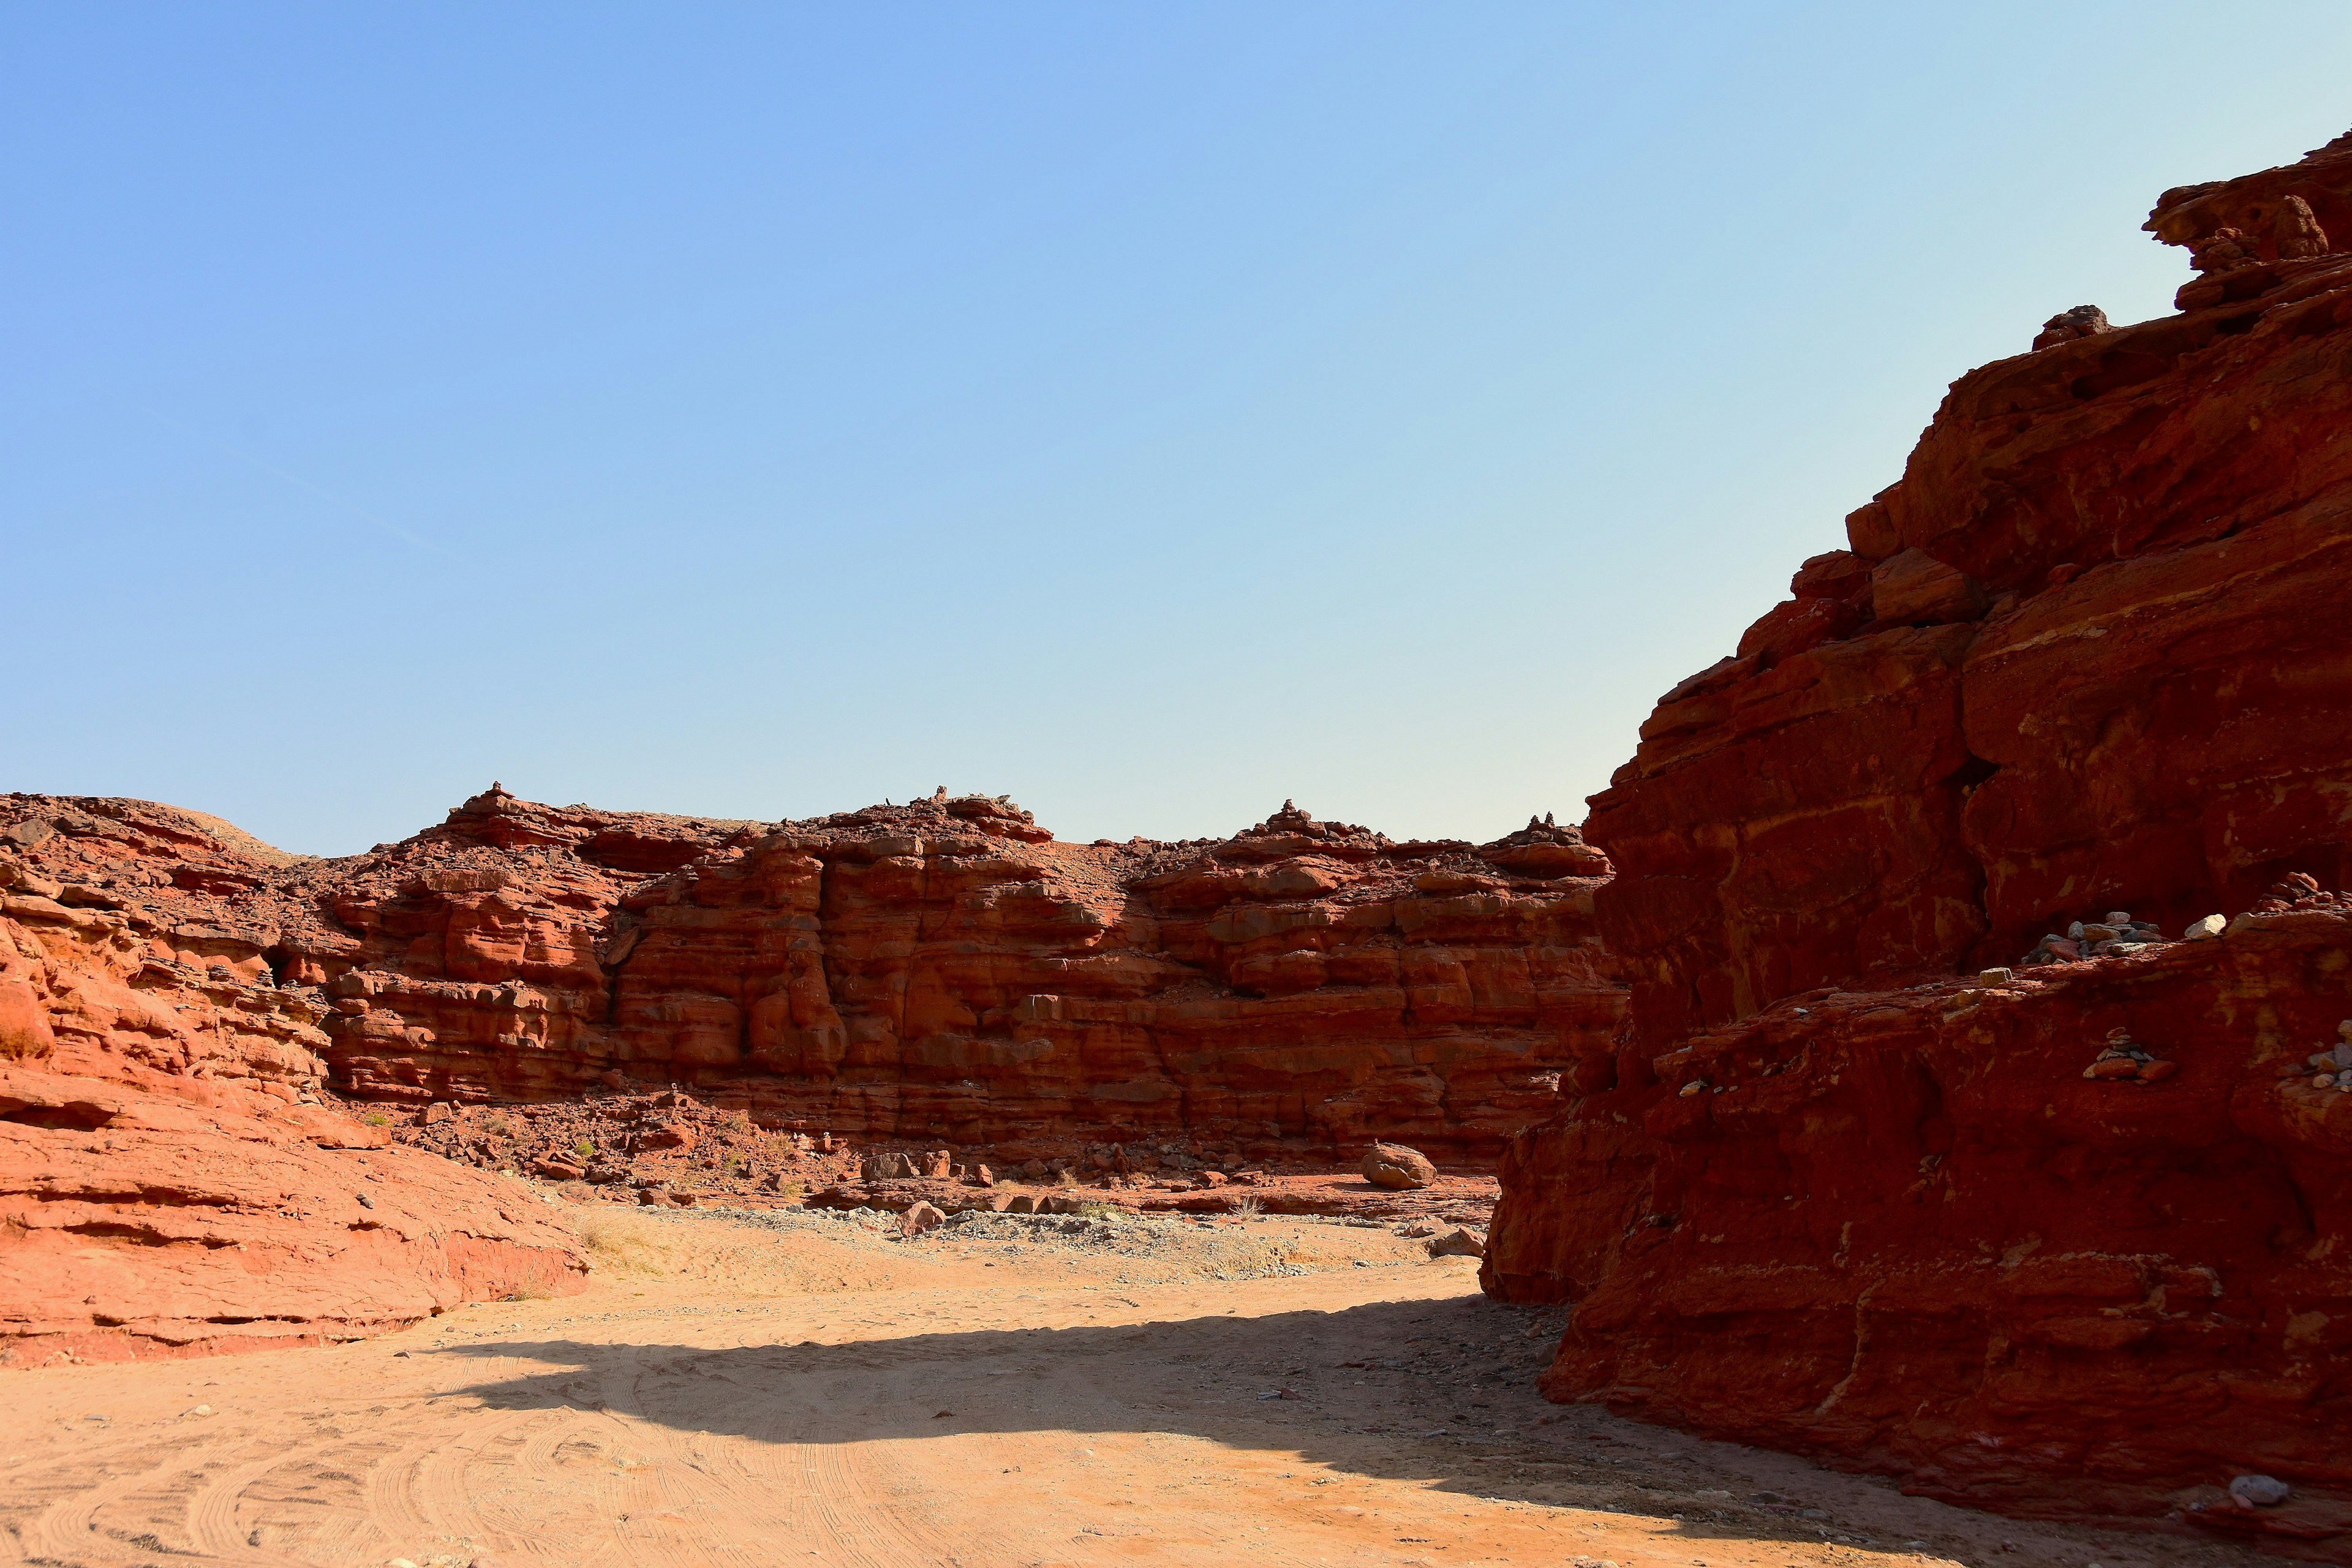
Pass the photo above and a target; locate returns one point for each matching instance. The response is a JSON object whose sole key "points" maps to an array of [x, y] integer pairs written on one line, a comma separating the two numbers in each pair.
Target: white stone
{"points": [[2205, 930], [2119, 917], [2260, 1491]]}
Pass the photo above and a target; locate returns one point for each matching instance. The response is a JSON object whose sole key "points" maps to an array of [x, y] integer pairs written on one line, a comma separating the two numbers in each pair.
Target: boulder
{"points": [[1394, 1165], [1459, 1242]]}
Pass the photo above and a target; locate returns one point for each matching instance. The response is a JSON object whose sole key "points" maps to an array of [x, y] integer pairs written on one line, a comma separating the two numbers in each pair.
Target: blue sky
{"points": [[1149, 412]]}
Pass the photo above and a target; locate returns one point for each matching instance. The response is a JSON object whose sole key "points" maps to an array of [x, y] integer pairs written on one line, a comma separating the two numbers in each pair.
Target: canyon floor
{"points": [[804, 1387]]}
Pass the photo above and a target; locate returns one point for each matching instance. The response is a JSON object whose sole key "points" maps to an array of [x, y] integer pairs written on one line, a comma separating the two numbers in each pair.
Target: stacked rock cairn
{"points": [[2127, 1060]]}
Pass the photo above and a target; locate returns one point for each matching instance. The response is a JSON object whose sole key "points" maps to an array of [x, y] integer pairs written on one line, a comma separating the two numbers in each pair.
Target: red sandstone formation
{"points": [[171, 1180], [2086, 656], [943, 971], [947, 971]]}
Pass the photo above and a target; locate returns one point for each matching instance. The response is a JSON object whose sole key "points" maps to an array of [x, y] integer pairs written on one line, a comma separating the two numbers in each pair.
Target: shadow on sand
{"points": [[1447, 1400]]}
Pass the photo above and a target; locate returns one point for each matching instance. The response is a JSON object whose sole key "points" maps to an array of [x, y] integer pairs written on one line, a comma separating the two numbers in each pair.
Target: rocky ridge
{"points": [[943, 970], [2067, 1239], [1157, 1016]]}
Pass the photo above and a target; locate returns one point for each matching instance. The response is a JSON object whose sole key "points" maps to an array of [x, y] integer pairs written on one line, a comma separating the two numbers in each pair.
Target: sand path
{"points": [[725, 1394]]}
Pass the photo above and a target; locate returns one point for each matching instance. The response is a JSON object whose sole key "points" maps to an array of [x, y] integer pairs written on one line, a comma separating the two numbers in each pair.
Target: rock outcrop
{"points": [[172, 1178], [2082, 657], [947, 971], [938, 971]]}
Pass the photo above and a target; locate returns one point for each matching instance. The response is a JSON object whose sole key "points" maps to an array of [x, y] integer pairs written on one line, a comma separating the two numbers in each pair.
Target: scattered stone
{"points": [[920, 1219], [1394, 1165], [2260, 1491], [675, 1136], [559, 1170], [2116, 936], [436, 1113], [1459, 1242], [2206, 929]]}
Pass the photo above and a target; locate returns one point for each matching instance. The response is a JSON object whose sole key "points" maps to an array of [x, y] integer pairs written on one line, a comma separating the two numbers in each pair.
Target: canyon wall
{"points": [[2079, 658], [172, 1178], [939, 972]]}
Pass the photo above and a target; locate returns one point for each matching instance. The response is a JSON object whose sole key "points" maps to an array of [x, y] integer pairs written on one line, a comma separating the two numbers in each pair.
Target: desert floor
{"points": [[812, 1389]]}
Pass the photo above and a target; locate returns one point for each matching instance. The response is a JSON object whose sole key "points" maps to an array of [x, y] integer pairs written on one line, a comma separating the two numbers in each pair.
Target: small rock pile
{"points": [[2116, 936], [2126, 1061], [2298, 891], [2332, 1068]]}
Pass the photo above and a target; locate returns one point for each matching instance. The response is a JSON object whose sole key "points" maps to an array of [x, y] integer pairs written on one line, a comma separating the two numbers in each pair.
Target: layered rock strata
{"points": [[2081, 658], [172, 1178], [941, 971]]}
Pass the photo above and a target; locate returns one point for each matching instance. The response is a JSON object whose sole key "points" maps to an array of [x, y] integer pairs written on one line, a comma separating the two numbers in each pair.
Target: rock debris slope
{"points": [[2086, 660]]}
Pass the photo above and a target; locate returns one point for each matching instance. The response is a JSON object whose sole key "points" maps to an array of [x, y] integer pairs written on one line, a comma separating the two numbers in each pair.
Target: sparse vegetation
{"points": [[585, 1148], [376, 1118], [612, 1242], [1247, 1208], [499, 1126], [22, 1045]]}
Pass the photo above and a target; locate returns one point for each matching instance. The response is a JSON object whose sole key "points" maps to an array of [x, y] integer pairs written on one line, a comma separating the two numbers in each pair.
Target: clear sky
{"points": [[1148, 411]]}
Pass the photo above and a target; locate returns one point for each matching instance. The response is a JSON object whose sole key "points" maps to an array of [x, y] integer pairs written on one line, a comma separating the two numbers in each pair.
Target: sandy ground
{"points": [[810, 1389]]}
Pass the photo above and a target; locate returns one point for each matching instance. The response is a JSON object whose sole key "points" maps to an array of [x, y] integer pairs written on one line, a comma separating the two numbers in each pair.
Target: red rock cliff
{"points": [[942, 970], [2084, 656], [947, 971], [171, 1180]]}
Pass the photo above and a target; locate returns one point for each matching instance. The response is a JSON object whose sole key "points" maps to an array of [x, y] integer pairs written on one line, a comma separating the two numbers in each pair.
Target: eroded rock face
{"points": [[2079, 655], [942, 970], [172, 1179], [947, 970], [2080, 658]]}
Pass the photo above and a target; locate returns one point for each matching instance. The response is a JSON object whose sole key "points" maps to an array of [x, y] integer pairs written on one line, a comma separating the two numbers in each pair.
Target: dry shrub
{"points": [[621, 1242], [22, 1046]]}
